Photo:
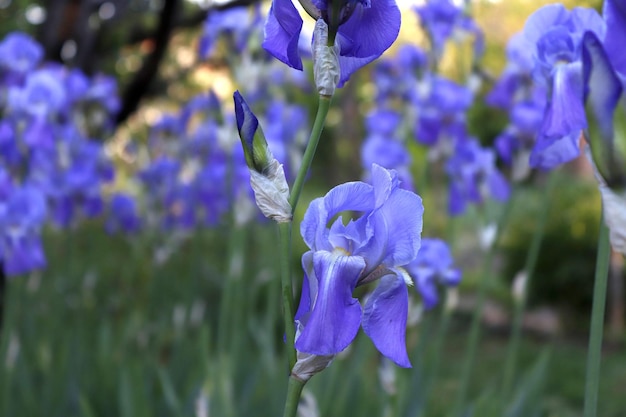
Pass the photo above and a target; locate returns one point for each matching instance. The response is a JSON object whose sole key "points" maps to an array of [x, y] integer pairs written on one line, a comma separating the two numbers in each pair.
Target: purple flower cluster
{"points": [[434, 111], [442, 21], [195, 170], [51, 167], [383, 146], [517, 93]]}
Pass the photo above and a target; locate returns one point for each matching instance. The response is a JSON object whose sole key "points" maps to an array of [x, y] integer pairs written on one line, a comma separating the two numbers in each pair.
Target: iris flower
{"points": [[375, 246], [556, 34], [365, 29]]}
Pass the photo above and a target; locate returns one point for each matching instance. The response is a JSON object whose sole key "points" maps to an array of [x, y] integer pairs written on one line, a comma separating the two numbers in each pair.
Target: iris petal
{"points": [[372, 30], [282, 33], [615, 15], [566, 112], [336, 316], [384, 319], [356, 196], [368, 33]]}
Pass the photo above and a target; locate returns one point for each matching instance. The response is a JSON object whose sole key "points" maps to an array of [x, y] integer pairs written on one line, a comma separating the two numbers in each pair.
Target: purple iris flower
{"points": [[22, 215], [605, 88], [19, 53], [397, 76], [122, 214], [442, 111], [42, 96], [365, 29], [519, 136], [473, 176], [383, 148], [441, 19], [236, 22], [285, 125], [375, 246], [614, 12], [516, 82], [71, 175], [555, 34], [433, 265]]}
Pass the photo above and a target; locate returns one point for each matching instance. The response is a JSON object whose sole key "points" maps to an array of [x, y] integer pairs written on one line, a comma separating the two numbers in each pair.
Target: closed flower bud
{"points": [[267, 176], [257, 153]]}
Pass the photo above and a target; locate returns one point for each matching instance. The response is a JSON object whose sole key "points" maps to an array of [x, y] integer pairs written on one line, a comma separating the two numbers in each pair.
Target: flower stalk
{"points": [[309, 153], [474, 334], [294, 390], [520, 303], [594, 354]]}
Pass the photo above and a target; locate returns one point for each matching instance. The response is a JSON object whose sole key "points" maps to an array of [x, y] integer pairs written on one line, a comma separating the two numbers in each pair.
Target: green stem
{"points": [[520, 304], [295, 386], [592, 382], [294, 389], [309, 153], [227, 314], [284, 230], [475, 327], [433, 373]]}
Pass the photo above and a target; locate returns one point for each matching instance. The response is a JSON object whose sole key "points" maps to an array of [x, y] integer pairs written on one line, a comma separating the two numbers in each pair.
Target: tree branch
{"points": [[140, 84]]}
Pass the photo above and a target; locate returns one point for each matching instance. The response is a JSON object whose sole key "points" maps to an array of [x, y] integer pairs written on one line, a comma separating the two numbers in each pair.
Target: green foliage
{"points": [[566, 262], [106, 330]]}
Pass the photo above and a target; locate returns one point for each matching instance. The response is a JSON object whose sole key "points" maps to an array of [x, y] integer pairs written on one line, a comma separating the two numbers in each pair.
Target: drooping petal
{"points": [[457, 202], [336, 316], [498, 186], [424, 278], [370, 30], [282, 33], [615, 16], [547, 154], [368, 33], [566, 112], [384, 319], [349, 64]]}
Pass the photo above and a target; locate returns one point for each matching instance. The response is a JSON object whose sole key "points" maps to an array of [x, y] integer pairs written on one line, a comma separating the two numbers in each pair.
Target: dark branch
{"points": [[140, 84]]}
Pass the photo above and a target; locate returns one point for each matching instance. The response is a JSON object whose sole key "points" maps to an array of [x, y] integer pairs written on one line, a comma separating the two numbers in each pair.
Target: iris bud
{"points": [[267, 176]]}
